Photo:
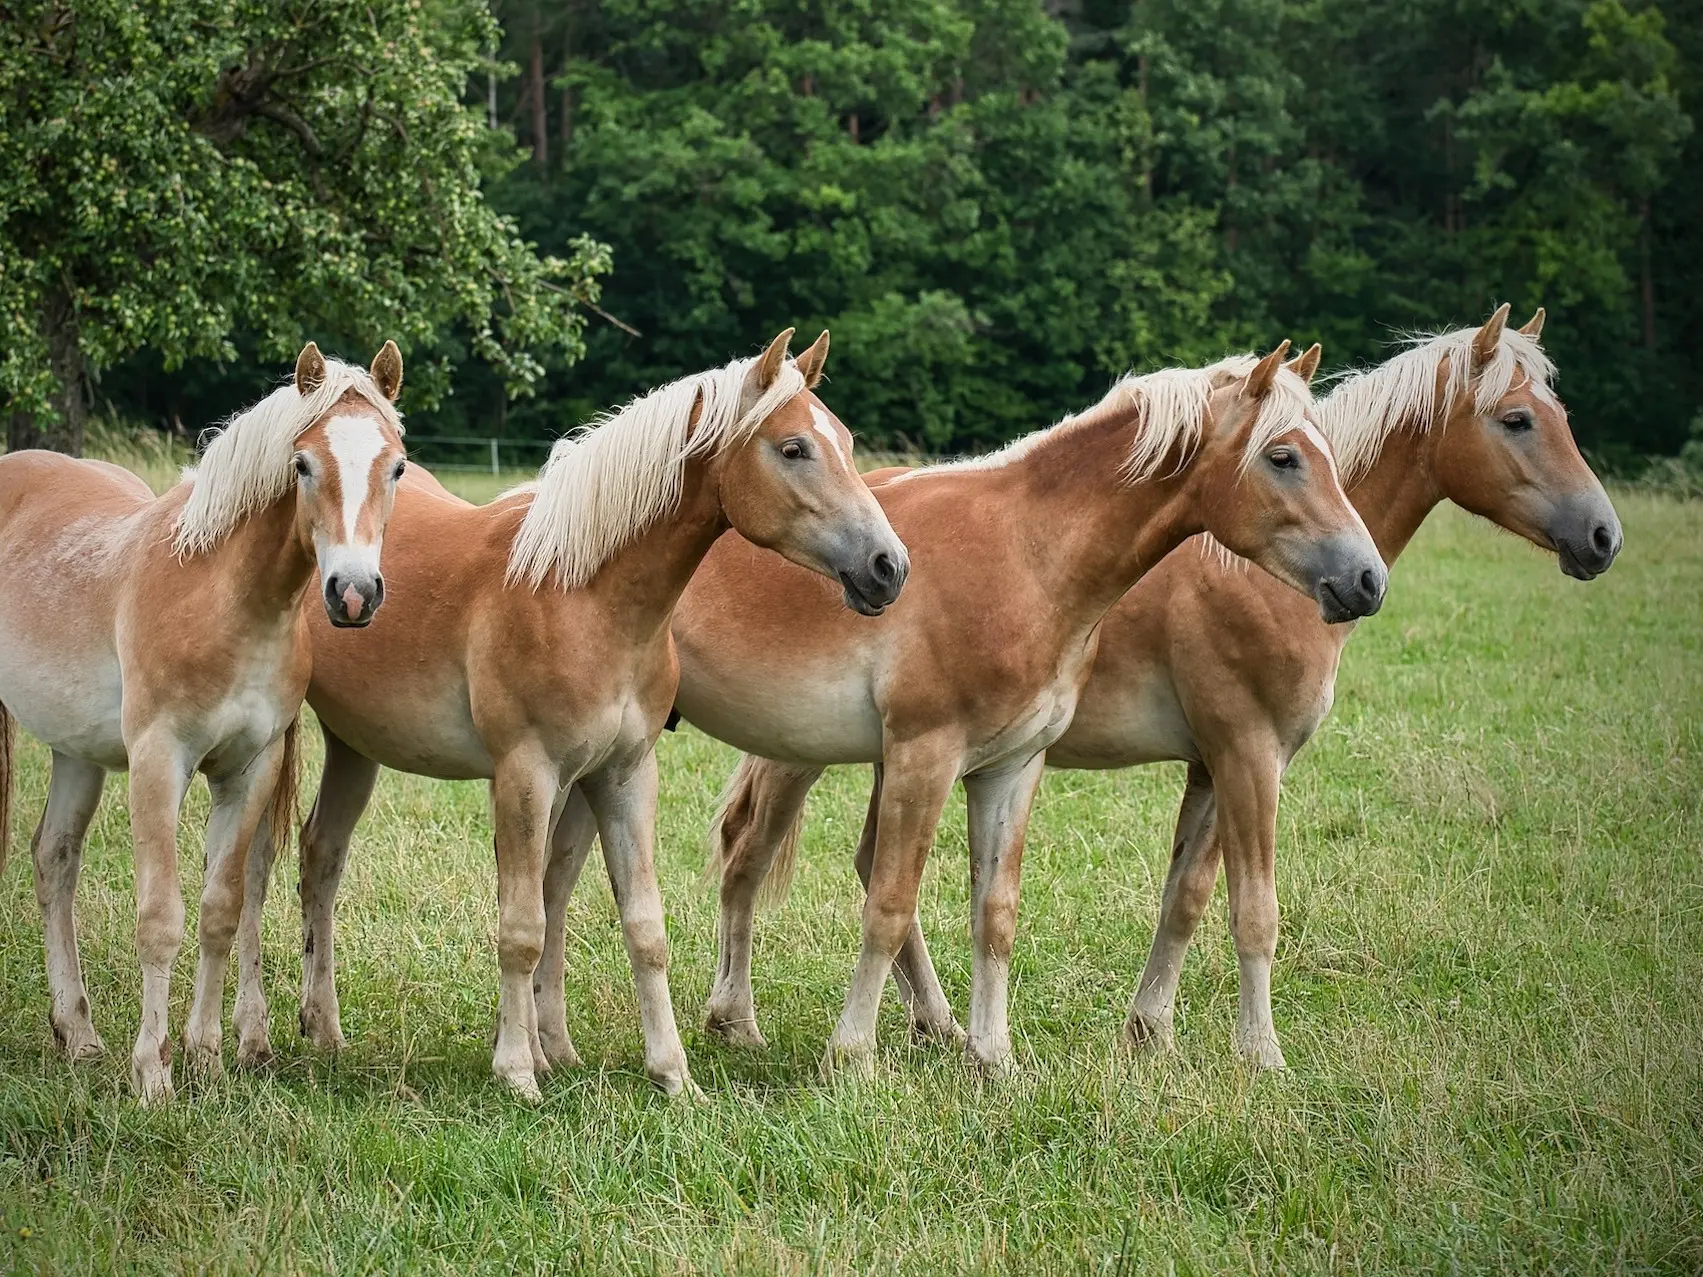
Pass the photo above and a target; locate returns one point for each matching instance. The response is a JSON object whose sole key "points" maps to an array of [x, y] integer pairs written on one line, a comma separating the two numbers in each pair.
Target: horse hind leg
{"points": [[759, 817], [345, 786], [57, 853], [570, 843], [1188, 890]]}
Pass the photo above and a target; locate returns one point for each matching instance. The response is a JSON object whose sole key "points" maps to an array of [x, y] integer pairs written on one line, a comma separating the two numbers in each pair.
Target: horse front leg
{"points": [[159, 777], [1188, 890], [570, 843], [917, 776], [625, 807], [57, 852], [523, 795], [913, 969], [239, 804], [1247, 832], [999, 807]]}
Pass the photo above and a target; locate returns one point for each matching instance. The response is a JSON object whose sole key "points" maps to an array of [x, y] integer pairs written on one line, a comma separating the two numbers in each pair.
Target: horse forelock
{"points": [[1366, 407], [247, 462], [605, 484]]}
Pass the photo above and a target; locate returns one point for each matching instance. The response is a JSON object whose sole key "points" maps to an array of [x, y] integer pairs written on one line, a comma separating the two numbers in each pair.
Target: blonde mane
{"points": [[1172, 404], [1365, 408], [248, 462], [607, 483]]}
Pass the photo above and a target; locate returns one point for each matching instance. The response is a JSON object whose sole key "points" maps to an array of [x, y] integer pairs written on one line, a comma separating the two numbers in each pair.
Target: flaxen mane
{"points": [[1173, 406], [1366, 408], [609, 482], [248, 463]]}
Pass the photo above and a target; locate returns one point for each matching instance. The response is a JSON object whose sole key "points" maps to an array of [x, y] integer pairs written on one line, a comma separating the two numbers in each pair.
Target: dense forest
{"points": [[998, 205]]}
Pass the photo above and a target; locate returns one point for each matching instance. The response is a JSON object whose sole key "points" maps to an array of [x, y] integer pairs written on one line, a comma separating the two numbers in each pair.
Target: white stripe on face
{"points": [[355, 444], [825, 428], [1311, 433]]}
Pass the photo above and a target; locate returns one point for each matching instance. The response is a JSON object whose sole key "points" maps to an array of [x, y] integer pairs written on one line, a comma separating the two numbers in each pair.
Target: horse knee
{"points": [[159, 930], [520, 939], [647, 943]]}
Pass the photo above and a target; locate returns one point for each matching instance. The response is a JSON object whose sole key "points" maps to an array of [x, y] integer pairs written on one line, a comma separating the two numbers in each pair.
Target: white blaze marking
{"points": [[355, 444], [825, 428]]}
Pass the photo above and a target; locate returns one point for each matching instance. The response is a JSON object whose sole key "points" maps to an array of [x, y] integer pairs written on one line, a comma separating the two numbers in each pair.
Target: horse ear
{"points": [[769, 366], [1264, 376], [1305, 364], [1484, 343], [310, 370], [1533, 326], [387, 370], [811, 361]]}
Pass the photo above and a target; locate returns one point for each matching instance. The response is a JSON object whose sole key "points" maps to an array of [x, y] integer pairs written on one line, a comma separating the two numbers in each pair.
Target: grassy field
{"points": [[1487, 986]]}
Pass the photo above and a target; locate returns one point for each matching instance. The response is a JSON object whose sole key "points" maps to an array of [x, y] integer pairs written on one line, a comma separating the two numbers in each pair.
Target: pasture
{"points": [[1487, 986]]}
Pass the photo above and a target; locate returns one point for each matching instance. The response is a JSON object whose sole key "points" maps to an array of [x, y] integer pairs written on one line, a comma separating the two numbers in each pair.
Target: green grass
{"points": [[1487, 986]]}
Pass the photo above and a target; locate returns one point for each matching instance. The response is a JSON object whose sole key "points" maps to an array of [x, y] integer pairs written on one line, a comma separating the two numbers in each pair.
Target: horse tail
{"points": [[281, 812], [7, 737], [737, 802]]}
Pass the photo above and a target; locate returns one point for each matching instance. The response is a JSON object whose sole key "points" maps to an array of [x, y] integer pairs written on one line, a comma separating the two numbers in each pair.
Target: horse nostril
{"points": [[1602, 540], [883, 569], [333, 587], [1369, 583]]}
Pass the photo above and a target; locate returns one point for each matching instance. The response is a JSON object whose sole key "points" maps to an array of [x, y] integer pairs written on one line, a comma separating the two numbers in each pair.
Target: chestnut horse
{"points": [[975, 672], [1208, 663], [167, 636], [527, 642]]}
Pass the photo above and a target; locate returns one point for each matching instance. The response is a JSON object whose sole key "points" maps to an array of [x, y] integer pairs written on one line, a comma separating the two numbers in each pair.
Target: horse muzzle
{"points": [[1350, 585], [871, 587], [1586, 535], [352, 599]]}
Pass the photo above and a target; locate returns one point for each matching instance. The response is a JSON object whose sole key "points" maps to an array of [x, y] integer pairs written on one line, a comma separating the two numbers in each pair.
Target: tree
{"points": [[176, 174]]}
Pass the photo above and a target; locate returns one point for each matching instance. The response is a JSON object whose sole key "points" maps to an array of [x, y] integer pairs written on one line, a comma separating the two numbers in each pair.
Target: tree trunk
{"points": [[540, 106], [64, 431]]}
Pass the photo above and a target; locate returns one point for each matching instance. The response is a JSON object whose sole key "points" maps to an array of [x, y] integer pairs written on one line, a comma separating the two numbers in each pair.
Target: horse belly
{"points": [[427, 733], [70, 697], [828, 716], [1139, 722]]}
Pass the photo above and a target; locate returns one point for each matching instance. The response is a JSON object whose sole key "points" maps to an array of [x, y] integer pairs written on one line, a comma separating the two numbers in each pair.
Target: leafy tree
{"points": [[177, 176]]}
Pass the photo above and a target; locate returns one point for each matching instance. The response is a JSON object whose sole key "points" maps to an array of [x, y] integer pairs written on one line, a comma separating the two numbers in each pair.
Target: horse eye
{"points": [[1517, 421], [302, 467], [794, 450], [400, 467], [1283, 459]]}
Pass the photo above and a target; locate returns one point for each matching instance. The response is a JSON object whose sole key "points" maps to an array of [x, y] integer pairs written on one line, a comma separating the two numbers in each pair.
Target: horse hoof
{"points": [[152, 1085], [676, 1085], [561, 1053], [853, 1063], [741, 1034], [205, 1061], [992, 1063], [328, 1037], [80, 1043], [1148, 1037], [254, 1054], [523, 1086], [1263, 1055], [927, 1033]]}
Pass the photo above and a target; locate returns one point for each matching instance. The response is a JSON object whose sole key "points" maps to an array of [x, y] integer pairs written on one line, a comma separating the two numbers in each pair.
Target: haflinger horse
{"points": [[528, 643], [1212, 664], [1016, 558], [167, 636]]}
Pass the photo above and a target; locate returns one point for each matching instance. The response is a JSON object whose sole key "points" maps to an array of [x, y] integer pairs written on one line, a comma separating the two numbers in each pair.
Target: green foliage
{"points": [[177, 176], [996, 210]]}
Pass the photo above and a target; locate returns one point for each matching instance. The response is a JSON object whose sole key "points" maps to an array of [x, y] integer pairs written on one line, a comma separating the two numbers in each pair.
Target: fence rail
{"points": [[478, 454]]}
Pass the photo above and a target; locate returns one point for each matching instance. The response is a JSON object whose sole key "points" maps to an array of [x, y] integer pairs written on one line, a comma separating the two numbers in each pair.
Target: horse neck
{"points": [[1397, 491], [1093, 532], [266, 562], [638, 586]]}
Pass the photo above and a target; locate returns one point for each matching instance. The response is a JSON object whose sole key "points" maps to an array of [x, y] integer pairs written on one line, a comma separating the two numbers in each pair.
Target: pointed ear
{"points": [[387, 371], [1533, 326], [1261, 379], [811, 361], [310, 370], [769, 366], [1305, 364], [1485, 342]]}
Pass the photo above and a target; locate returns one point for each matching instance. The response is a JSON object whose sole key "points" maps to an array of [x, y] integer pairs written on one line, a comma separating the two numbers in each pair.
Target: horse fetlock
{"points": [[150, 1073], [734, 1021], [930, 1031], [558, 1047]]}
